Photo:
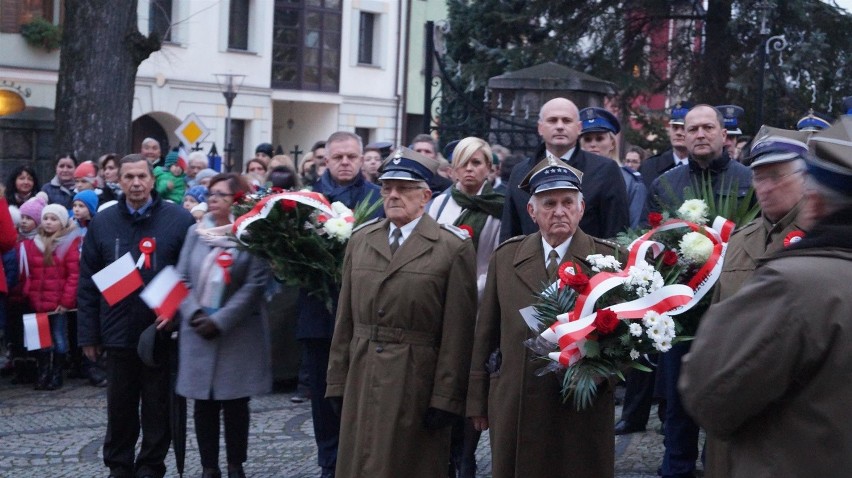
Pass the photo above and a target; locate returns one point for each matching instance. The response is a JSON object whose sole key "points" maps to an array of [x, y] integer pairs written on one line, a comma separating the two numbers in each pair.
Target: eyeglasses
{"points": [[219, 195], [773, 178], [386, 189]]}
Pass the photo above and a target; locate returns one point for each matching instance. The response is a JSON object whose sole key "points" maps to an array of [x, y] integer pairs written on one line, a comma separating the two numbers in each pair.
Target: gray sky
{"points": [[847, 4]]}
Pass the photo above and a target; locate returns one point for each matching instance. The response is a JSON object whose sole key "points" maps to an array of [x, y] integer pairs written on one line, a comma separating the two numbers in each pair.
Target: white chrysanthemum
{"points": [[643, 279], [601, 262], [657, 332], [694, 210], [635, 330], [340, 209], [696, 247], [663, 345], [667, 321], [338, 228], [651, 318], [634, 354]]}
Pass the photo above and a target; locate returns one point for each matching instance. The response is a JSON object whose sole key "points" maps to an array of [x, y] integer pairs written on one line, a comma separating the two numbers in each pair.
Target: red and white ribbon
{"points": [[265, 205]]}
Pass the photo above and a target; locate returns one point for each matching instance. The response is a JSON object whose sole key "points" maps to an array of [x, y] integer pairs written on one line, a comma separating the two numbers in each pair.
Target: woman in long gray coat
{"points": [[224, 340]]}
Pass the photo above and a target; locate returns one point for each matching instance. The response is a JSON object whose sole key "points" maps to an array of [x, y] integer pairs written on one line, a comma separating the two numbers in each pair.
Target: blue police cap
{"points": [[847, 105], [731, 114], [598, 120], [812, 122], [550, 174], [449, 148], [776, 145], [408, 165], [679, 111]]}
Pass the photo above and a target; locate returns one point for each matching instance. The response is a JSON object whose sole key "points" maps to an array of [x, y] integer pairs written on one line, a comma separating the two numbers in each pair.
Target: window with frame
{"points": [[306, 45], [160, 18], [238, 25], [365, 38]]}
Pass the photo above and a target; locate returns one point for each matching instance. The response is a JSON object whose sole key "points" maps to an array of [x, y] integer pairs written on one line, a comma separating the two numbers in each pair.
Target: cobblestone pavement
{"points": [[60, 433]]}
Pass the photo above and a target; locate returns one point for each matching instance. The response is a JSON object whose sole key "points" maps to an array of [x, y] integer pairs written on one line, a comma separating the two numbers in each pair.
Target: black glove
{"points": [[436, 419], [336, 405], [204, 326]]}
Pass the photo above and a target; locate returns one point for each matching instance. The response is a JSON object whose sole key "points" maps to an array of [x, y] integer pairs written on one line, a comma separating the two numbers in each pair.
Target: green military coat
{"points": [[401, 344], [533, 434]]}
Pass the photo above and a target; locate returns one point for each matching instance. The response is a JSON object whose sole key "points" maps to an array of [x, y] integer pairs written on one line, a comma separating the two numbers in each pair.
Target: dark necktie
{"points": [[552, 265], [397, 235]]}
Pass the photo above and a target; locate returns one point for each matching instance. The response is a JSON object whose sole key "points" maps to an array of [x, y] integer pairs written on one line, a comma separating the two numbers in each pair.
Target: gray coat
{"points": [[237, 363]]}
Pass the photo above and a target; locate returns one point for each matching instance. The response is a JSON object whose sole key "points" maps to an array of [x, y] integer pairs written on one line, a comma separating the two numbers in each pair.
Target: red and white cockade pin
{"points": [[225, 260], [147, 246], [793, 238]]}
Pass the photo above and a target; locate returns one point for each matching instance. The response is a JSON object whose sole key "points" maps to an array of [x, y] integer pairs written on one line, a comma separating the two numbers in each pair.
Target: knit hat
{"points": [[199, 193], [264, 148], [171, 158], [16, 215], [90, 199], [86, 170], [199, 207], [33, 207], [59, 211], [205, 173]]}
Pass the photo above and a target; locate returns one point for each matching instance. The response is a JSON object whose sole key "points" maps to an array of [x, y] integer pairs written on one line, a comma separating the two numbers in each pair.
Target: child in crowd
{"points": [[170, 179], [51, 264], [84, 207], [86, 177], [24, 363], [198, 211], [194, 196]]}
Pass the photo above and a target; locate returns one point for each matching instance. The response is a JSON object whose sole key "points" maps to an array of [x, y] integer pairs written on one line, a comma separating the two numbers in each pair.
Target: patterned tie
{"points": [[397, 235], [552, 265]]}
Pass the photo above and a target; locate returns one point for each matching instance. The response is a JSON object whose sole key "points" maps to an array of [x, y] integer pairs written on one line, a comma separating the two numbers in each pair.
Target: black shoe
{"points": [[623, 428], [327, 472], [236, 472], [211, 473]]}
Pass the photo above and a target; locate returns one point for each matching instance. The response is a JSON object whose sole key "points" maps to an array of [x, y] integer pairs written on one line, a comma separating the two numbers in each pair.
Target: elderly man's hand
{"points": [[480, 424], [204, 326]]}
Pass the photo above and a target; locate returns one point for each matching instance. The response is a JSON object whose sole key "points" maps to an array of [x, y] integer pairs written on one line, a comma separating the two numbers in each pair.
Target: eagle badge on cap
{"points": [[397, 158]]}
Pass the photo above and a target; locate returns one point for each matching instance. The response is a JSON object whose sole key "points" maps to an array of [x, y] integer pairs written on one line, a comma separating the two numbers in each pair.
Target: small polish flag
{"points": [[37, 331], [165, 292], [182, 159], [118, 280]]}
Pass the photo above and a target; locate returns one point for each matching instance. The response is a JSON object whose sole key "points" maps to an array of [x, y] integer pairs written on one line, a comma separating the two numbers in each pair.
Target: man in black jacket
{"points": [[658, 164], [116, 329], [603, 187]]}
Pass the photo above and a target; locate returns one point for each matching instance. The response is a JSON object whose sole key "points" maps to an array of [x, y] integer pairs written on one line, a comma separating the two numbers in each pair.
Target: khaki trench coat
{"points": [[769, 369], [533, 434], [757, 239], [401, 344]]}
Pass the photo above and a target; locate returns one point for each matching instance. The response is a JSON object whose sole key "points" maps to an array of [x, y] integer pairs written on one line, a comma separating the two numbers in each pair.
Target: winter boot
{"points": [[26, 370], [44, 370], [56, 372]]}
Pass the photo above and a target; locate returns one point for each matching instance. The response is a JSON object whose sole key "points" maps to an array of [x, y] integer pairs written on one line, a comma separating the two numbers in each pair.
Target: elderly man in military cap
{"points": [[778, 164], [533, 433], [400, 353], [769, 368]]}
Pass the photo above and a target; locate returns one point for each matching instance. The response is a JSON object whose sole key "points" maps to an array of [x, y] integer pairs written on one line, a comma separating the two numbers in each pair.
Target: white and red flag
{"points": [[37, 331], [165, 292], [182, 159], [118, 280]]}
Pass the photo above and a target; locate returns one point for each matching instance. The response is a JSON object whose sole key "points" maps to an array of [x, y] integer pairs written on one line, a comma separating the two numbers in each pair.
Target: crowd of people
{"points": [[424, 348]]}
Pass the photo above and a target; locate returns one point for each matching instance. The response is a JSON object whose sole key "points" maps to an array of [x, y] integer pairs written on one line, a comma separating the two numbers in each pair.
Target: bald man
{"points": [[603, 187]]}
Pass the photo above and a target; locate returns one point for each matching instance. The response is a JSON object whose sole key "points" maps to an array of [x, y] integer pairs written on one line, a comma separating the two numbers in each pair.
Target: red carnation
{"points": [[606, 321], [276, 190], [655, 219], [467, 229], [572, 276], [669, 257], [238, 196], [288, 204]]}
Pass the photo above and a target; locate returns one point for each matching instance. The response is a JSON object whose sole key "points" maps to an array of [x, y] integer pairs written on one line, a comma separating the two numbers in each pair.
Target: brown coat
{"points": [[769, 369], [757, 239], [533, 434], [401, 345]]}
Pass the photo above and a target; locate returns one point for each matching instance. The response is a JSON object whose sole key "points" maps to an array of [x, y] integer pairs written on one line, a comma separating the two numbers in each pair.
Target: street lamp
{"points": [[229, 85], [777, 42]]}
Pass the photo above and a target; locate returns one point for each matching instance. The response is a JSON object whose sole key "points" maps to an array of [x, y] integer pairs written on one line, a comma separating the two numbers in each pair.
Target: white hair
{"points": [[534, 199], [198, 156]]}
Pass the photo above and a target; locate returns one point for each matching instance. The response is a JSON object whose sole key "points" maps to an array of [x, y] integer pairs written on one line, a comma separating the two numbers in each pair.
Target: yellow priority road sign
{"points": [[192, 130]]}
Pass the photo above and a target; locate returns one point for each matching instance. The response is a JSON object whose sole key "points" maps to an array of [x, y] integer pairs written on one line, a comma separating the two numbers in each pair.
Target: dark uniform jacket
{"points": [[728, 177], [401, 345], [603, 190], [533, 433], [655, 166], [112, 233]]}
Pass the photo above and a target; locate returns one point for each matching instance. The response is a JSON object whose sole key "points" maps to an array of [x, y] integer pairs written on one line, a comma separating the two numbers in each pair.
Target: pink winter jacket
{"points": [[49, 286]]}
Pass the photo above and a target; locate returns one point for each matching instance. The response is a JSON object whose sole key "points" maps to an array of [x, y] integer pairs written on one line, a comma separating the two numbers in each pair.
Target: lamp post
{"points": [[777, 43], [229, 85]]}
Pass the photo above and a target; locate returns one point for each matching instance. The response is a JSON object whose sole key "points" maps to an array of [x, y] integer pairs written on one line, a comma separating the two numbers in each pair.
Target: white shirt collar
{"points": [[565, 157], [561, 249], [678, 160], [406, 230]]}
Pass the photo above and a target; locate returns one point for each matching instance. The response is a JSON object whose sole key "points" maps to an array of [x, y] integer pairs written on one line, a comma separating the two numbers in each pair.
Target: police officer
{"points": [[677, 155], [732, 114]]}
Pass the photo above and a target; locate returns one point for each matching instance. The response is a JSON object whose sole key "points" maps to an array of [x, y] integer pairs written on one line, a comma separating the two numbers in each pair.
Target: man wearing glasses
{"points": [[778, 167], [400, 355]]}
